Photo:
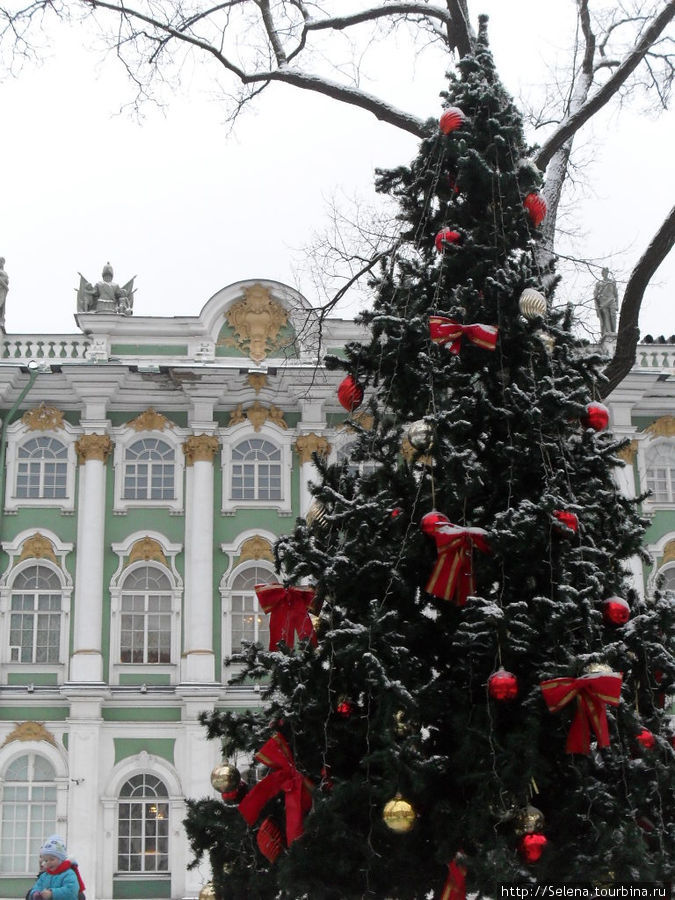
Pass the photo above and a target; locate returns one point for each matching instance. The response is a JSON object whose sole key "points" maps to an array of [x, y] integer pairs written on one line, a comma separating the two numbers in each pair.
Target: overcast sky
{"points": [[188, 206]]}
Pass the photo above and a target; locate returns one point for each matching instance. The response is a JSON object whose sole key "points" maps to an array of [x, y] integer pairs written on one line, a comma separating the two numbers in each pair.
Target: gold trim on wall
{"points": [[30, 731], [200, 448], [668, 553], [43, 418], [150, 420], [628, 453], [307, 444], [147, 548], [257, 380], [257, 416], [256, 321], [37, 546], [663, 427], [256, 547], [93, 446]]}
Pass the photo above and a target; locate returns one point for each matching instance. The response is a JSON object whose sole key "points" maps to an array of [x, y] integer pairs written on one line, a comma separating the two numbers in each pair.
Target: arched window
{"points": [[41, 469], [343, 457], [248, 621], [256, 470], [28, 812], [661, 472], [35, 616], [143, 825], [149, 470], [146, 616], [668, 578]]}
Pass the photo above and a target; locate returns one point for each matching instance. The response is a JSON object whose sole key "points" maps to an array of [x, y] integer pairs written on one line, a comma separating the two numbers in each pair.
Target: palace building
{"points": [[149, 465]]}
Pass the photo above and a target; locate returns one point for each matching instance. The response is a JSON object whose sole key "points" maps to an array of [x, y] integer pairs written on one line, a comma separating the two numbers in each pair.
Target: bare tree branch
{"points": [[628, 331], [574, 122]]}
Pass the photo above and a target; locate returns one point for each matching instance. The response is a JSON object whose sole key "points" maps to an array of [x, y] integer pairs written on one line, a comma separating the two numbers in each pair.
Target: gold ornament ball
{"points": [[597, 668], [228, 868], [402, 726], [421, 434], [208, 892], [529, 820], [316, 514], [532, 304], [399, 815], [225, 778]]}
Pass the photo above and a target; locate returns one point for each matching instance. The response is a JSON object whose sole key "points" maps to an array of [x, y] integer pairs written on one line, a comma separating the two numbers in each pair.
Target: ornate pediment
{"points": [[256, 322], [30, 731], [668, 553], [310, 443], [43, 418], [150, 420], [145, 549], [257, 380], [663, 427], [256, 547], [257, 415], [38, 547]]}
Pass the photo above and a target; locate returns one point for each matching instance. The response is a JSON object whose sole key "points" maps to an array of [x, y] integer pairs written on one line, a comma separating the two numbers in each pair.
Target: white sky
{"points": [[188, 207]]}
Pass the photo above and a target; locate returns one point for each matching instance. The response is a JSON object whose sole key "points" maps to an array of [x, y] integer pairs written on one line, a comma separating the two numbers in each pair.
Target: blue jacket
{"points": [[63, 886]]}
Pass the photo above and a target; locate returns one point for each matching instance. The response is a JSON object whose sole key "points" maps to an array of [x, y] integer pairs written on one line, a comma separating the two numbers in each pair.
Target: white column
{"points": [[305, 446], [198, 658], [84, 730], [86, 663]]}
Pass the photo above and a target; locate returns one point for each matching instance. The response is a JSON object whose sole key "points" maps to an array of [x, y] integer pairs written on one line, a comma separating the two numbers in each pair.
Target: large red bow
{"points": [[447, 331], [452, 576], [276, 754], [289, 612], [455, 886], [592, 693]]}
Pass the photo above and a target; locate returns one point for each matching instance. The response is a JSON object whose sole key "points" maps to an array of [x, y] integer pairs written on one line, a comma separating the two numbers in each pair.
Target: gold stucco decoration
{"points": [[93, 446], [145, 549], [257, 380], [362, 418], [257, 416], [628, 453], [43, 418], [30, 731], [310, 443], [256, 547], [200, 448], [150, 420], [37, 546], [409, 454], [668, 553], [256, 321], [663, 427]]}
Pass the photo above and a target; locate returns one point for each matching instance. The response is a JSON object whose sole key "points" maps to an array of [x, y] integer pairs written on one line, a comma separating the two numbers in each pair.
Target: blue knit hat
{"points": [[54, 846]]}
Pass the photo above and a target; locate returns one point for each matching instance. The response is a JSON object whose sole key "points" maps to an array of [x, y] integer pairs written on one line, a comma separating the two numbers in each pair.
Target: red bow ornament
{"points": [[452, 576], [276, 754], [455, 886], [289, 612], [446, 331], [592, 693]]}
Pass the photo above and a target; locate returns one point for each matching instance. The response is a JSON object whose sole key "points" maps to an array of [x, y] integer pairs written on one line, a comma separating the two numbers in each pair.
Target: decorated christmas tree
{"points": [[463, 688]]}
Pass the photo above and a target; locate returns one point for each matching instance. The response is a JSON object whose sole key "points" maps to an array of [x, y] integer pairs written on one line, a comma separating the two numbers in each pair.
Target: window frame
{"points": [[282, 440], [56, 758], [175, 590], [226, 591], [7, 581], [124, 439], [18, 435], [646, 450], [146, 801]]}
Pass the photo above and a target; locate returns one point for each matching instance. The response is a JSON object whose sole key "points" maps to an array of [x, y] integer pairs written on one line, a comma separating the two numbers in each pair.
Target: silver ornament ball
{"points": [[421, 434], [532, 304]]}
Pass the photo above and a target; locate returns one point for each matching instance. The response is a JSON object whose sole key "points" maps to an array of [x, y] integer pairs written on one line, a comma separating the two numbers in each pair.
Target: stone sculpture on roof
{"points": [[606, 303], [105, 296], [4, 287]]}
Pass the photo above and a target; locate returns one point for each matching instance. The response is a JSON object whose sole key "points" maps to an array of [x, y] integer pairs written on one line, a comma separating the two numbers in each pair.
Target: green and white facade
{"points": [[149, 466]]}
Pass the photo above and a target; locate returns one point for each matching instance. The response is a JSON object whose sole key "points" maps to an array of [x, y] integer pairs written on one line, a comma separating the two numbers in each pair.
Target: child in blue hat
{"points": [[58, 880]]}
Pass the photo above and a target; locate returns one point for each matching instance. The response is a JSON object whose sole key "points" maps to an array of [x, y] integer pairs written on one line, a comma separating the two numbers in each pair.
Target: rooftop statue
{"points": [[105, 295], [4, 287], [606, 300]]}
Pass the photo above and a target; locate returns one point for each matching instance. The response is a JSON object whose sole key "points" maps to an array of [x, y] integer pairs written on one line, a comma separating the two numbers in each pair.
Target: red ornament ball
{"points": [[396, 512], [596, 417], [535, 205], [646, 739], [568, 519], [531, 846], [432, 521], [344, 709], [452, 184], [269, 839], [616, 611], [350, 393], [236, 795], [452, 119], [446, 237], [502, 685]]}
